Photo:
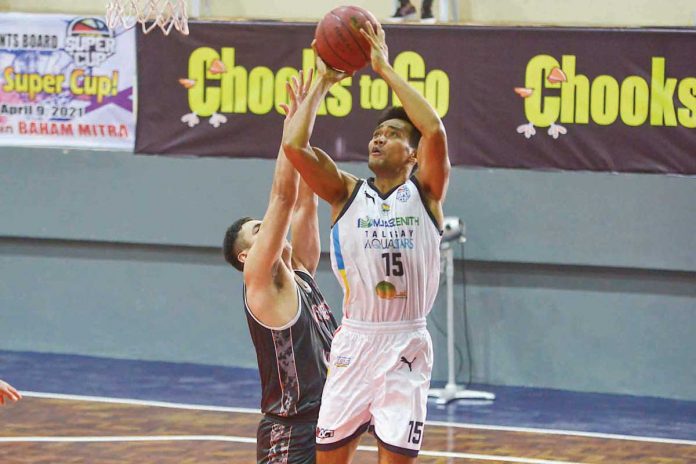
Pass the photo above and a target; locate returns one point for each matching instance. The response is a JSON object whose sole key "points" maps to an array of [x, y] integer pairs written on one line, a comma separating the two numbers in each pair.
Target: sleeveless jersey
{"points": [[385, 252], [293, 359]]}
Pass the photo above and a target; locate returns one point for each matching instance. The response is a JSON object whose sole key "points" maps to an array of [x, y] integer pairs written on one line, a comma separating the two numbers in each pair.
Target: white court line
{"points": [[159, 404], [233, 439], [127, 438], [197, 407], [607, 436]]}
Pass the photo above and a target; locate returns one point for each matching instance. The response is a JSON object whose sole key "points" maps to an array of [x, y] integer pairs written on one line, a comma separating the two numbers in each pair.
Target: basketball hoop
{"points": [[165, 14]]}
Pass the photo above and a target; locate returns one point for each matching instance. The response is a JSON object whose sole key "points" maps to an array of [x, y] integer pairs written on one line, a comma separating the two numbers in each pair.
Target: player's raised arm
{"points": [[262, 265], [306, 245], [433, 161], [318, 170]]}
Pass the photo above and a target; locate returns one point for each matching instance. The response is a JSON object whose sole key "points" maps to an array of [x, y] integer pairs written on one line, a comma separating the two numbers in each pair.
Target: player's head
{"points": [[394, 143], [239, 238]]}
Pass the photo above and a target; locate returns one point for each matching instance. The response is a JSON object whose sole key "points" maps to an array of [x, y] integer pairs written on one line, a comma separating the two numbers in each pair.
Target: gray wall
{"points": [[581, 281]]}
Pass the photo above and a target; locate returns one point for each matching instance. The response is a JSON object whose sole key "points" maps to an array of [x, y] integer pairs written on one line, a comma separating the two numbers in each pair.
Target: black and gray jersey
{"points": [[293, 359]]}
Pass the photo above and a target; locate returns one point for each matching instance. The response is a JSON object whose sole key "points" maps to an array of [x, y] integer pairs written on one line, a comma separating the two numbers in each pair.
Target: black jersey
{"points": [[293, 359]]}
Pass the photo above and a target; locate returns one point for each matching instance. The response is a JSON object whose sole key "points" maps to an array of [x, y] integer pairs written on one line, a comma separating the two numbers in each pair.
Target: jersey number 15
{"points": [[394, 265]]}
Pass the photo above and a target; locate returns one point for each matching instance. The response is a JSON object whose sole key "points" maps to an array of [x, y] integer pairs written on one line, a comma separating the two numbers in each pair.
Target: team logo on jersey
{"points": [[324, 433], [387, 291], [403, 194], [385, 208], [343, 361]]}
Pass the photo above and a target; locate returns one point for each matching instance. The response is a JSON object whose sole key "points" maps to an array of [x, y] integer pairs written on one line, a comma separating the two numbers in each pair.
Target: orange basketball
{"points": [[339, 41]]}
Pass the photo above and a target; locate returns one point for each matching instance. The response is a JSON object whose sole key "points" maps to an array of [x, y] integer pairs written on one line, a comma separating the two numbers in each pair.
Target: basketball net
{"points": [[165, 14]]}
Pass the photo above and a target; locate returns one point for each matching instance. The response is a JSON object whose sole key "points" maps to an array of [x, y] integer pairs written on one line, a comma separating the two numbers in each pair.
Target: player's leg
{"points": [[290, 443], [344, 415], [263, 441], [390, 457], [303, 444], [341, 455], [399, 409]]}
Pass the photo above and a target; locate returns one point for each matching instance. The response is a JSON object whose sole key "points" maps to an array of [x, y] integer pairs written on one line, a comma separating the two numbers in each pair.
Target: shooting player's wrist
{"points": [[383, 68]]}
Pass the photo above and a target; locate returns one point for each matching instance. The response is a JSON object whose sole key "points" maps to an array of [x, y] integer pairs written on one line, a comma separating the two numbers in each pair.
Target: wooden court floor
{"points": [[56, 431]]}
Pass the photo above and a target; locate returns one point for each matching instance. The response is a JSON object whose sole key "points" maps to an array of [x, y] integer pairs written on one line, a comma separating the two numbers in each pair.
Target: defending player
{"points": [[290, 323]]}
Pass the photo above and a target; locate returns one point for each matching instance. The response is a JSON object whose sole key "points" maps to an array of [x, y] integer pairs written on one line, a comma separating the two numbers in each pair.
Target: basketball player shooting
{"points": [[289, 321], [385, 253]]}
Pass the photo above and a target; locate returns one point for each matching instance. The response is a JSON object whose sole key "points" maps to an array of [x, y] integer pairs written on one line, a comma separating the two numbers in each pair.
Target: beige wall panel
{"points": [[581, 12], [560, 12], [264, 9]]}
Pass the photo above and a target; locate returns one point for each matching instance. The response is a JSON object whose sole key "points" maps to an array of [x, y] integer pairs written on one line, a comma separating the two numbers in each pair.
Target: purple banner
{"points": [[620, 100]]}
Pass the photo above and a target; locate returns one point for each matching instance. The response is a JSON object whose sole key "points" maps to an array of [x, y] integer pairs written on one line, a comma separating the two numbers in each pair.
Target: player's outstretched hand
{"points": [[379, 56], [297, 91], [7, 391]]}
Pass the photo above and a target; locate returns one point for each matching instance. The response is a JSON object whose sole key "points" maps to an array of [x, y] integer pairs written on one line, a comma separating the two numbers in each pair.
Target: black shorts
{"points": [[285, 442]]}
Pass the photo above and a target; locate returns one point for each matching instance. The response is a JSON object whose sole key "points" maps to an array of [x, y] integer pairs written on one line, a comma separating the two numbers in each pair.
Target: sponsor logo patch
{"points": [[324, 433], [408, 363], [387, 291]]}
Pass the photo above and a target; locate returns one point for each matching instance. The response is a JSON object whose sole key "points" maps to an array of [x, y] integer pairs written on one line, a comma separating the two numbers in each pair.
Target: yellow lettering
{"points": [[437, 86], [103, 87], [575, 94], [260, 90], [75, 86], [379, 94], [233, 84], [9, 81], [635, 101], [687, 97], [410, 65], [661, 95], [365, 92], [340, 102], [48, 82], [203, 100], [31, 84], [374, 94], [34, 85], [604, 103], [541, 110]]}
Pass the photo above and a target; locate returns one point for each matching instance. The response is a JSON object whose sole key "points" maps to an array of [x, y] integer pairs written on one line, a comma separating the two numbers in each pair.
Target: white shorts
{"points": [[379, 376]]}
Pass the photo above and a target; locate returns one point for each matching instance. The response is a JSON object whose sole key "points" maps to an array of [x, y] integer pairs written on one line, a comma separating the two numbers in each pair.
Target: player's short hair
{"points": [[229, 245], [398, 112]]}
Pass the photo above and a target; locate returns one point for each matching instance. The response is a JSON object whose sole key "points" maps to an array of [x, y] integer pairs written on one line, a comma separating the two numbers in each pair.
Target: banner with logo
{"points": [[621, 100], [66, 81]]}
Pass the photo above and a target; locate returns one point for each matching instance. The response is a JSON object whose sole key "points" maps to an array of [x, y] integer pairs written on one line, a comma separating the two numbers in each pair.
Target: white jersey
{"points": [[385, 252]]}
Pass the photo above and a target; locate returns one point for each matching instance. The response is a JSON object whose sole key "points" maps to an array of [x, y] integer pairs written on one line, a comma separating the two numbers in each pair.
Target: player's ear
{"points": [[413, 154], [242, 256]]}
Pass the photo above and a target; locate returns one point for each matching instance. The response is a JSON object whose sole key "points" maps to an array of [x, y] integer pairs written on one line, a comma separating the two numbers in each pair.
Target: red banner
{"points": [[620, 100]]}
